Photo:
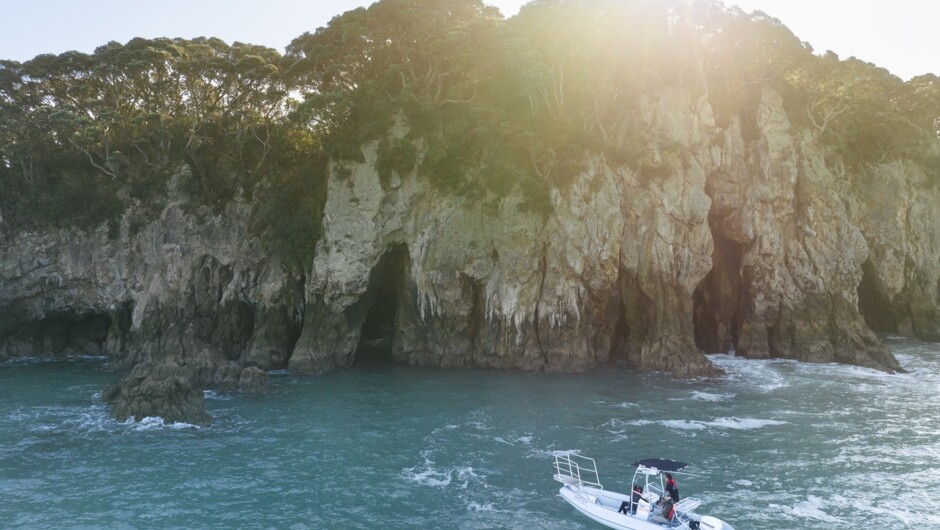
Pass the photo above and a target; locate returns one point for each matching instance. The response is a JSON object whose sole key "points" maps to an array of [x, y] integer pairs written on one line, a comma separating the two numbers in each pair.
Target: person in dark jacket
{"points": [[637, 495], [672, 488]]}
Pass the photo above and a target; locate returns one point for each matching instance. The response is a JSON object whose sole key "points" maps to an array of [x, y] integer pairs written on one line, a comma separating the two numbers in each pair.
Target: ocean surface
{"points": [[774, 445]]}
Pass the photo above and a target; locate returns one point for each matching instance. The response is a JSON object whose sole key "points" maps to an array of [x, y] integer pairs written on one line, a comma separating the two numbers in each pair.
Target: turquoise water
{"points": [[776, 444]]}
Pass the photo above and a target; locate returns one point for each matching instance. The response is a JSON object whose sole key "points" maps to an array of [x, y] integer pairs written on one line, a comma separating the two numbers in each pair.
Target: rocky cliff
{"points": [[192, 285], [745, 242], [188, 295], [727, 238]]}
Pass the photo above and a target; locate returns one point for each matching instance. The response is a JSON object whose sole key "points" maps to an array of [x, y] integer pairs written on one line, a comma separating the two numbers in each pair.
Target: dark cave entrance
{"points": [[387, 286], [716, 302], [620, 344], [630, 309], [874, 306], [64, 334]]}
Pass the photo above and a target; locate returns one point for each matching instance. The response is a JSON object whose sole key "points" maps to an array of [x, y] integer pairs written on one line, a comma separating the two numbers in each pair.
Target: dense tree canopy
{"points": [[84, 136], [490, 105]]}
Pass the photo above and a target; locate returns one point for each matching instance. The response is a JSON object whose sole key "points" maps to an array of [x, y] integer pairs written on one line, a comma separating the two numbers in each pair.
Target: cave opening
{"points": [[631, 319], [384, 297], [61, 334], [620, 344], [716, 301], [873, 304]]}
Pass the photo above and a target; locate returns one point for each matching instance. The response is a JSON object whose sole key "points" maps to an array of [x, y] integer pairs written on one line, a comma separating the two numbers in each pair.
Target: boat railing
{"points": [[687, 505], [576, 470], [655, 489]]}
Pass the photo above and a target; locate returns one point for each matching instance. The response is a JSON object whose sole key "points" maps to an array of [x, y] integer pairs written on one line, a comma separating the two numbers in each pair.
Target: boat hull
{"points": [[599, 506]]}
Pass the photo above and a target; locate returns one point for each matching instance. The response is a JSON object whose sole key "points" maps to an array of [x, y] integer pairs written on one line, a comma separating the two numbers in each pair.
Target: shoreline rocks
{"points": [[173, 390]]}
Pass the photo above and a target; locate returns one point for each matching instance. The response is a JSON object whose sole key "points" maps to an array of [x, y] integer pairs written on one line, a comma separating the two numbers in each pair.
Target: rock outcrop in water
{"points": [[143, 394], [172, 388]]}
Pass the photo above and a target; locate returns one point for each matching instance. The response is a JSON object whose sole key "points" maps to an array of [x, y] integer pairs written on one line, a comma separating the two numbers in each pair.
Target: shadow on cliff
{"points": [[717, 301], [382, 307]]}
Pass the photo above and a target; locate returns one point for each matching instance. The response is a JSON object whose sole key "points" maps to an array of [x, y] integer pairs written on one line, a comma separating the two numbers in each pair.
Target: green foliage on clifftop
{"points": [[515, 104], [490, 107], [85, 137]]}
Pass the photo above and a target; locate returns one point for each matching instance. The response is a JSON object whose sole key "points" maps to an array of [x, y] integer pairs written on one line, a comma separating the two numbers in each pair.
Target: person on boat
{"points": [[631, 504], [637, 495], [667, 513], [672, 488]]}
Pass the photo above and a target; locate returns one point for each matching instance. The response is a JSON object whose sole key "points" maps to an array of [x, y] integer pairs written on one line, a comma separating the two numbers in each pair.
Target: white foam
{"points": [[742, 424], [429, 477], [152, 423], [761, 374], [440, 479], [539, 454], [739, 424], [626, 405], [708, 397], [684, 425], [79, 420], [519, 440], [812, 508], [216, 396], [474, 506]]}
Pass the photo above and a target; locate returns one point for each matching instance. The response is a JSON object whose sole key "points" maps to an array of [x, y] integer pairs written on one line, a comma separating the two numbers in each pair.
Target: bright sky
{"points": [[900, 35]]}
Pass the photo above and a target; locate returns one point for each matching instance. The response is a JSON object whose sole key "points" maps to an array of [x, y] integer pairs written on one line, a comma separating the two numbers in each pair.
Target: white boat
{"points": [[583, 490]]}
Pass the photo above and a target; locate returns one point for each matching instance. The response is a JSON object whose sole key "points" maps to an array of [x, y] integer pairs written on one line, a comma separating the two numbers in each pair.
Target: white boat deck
{"points": [[582, 489]]}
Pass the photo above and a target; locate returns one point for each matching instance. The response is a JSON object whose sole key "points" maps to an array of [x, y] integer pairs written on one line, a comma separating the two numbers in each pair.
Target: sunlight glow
{"points": [[899, 35]]}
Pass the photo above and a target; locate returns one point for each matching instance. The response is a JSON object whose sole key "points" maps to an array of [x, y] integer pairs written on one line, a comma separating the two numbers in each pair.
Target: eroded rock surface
{"points": [[789, 258], [191, 289], [740, 235], [724, 239]]}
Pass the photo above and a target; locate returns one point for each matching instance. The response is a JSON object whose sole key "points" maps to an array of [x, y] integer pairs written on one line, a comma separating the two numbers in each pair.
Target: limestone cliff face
{"points": [[789, 258], [898, 213], [194, 288], [734, 236], [610, 272], [753, 243]]}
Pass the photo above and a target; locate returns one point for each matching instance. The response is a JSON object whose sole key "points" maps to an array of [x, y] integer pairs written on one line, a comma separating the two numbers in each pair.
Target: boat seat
{"points": [[589, 498], [566, 479]]}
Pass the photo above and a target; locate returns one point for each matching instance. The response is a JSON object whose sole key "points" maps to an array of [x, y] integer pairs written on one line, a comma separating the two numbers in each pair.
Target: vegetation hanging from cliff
{"points": [[497, 106]]}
